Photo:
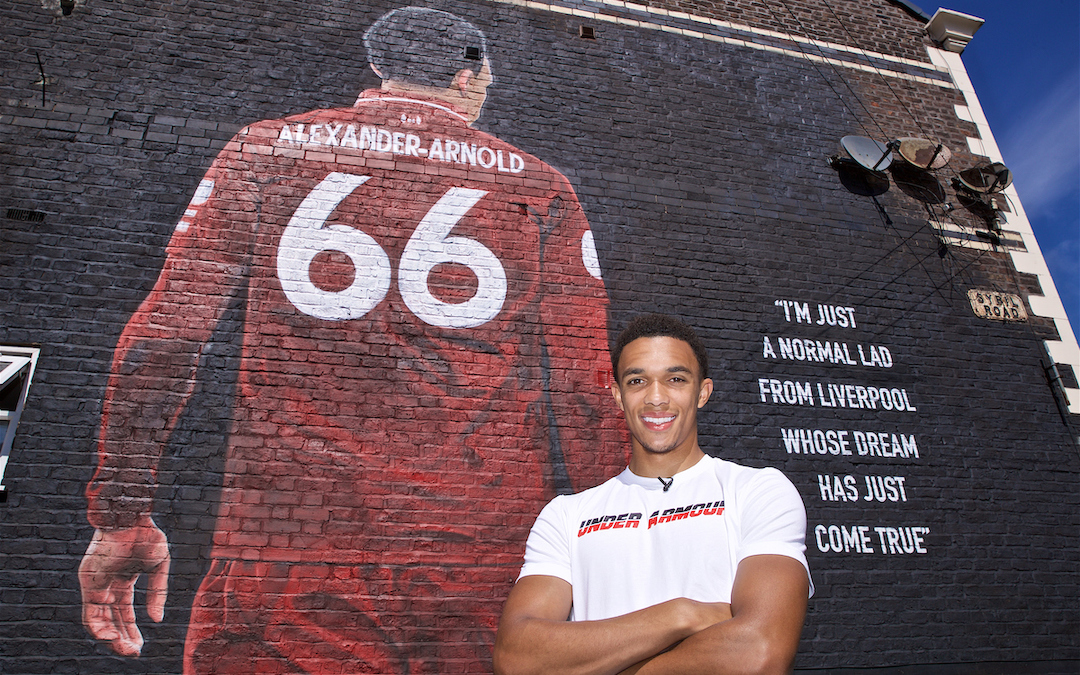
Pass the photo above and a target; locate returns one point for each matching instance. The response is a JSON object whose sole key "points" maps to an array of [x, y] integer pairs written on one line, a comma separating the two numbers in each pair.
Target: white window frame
{"points": [[14, 361]]}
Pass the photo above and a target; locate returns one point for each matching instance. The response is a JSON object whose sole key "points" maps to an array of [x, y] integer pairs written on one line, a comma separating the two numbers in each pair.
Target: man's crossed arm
{"points": [[758, 633]]}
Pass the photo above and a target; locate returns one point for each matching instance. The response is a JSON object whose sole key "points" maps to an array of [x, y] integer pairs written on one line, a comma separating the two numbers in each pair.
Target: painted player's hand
{"points": [[112, 564]]}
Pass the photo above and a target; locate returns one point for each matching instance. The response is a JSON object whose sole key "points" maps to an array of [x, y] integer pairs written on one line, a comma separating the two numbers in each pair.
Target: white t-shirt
{"points": [[629, 544]]}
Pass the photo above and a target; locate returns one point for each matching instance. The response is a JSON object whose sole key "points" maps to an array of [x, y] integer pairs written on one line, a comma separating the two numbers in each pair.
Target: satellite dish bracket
{"points": [[937, 151], [890, 147]]}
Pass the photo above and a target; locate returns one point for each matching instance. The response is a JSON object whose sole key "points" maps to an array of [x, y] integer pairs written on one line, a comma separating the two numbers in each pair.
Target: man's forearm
{"points": [[529, 645], [154, 367], [769, 605], [730, 648], [142, 404]]}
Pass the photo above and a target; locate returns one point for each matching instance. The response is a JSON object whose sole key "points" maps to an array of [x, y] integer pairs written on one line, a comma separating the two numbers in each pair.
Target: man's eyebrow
{"points": [[672, 369]]}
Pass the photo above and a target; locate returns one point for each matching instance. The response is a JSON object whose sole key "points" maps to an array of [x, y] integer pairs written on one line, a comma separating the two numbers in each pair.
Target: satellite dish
{"points": [[866, 152], [924, 154], [988, 178]]}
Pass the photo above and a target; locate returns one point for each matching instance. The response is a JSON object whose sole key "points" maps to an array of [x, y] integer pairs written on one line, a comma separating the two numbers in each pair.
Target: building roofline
{"points": [[912, 9]]}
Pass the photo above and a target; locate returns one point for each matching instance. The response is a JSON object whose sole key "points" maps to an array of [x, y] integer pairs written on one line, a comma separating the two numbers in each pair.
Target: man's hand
{"points": [[708, 614], [112, 564], [768, 605], [757, 634]]}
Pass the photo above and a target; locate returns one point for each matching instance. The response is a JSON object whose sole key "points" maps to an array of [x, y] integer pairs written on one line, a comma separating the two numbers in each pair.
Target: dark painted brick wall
{"points": [[702, 168]]}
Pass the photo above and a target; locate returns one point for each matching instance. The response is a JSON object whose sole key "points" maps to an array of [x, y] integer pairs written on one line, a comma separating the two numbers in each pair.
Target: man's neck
{"points": [[663, 465], [448, 95]]}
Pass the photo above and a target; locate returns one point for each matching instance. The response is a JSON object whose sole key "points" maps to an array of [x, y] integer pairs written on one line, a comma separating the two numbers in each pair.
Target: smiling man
{"points": [[683, 563]]}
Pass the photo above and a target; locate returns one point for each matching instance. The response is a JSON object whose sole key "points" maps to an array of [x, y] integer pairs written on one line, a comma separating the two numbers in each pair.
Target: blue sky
{"points": [[1025, 66]]}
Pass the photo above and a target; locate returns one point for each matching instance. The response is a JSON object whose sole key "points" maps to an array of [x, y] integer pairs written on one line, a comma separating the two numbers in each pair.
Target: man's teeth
{"points": [[659, 420]]}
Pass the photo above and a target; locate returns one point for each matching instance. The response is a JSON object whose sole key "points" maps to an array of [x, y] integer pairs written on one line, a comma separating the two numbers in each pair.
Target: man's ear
{"points": [[617, 393], [705, 392], [462, 79]]}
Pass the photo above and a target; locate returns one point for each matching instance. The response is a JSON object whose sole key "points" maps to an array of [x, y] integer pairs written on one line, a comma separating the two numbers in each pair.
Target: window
{"points": [[16, 370]]}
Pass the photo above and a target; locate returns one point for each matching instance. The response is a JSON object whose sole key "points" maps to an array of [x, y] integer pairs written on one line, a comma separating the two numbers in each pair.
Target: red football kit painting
{"points": [[424, 351]]}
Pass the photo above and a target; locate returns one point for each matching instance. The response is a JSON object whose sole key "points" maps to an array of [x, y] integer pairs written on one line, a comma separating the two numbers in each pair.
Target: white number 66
{"points": [[307, 235]]}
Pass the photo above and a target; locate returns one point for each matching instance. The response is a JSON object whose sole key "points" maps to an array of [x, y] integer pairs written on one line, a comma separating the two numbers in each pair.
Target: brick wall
{"points": [[698, 152]]}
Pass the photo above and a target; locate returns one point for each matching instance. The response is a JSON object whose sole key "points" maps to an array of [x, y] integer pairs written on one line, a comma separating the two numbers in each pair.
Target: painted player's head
{"points": [[660, 325], [426, 47]]}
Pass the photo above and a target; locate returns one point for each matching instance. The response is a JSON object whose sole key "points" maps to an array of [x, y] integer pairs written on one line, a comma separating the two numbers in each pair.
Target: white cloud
{"points": [[1042, 148]]}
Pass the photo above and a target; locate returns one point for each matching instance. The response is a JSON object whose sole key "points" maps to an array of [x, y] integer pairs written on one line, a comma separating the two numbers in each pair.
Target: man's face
{"points": [[475, 90], [659, 389]]}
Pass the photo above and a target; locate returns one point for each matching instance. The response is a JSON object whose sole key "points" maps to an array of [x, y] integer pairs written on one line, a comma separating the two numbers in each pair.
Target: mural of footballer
{"points": [[423, 325]]}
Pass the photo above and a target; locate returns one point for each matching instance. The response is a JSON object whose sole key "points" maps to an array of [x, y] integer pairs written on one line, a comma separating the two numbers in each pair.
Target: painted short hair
{"points": [[424, 46], [660, 325]]}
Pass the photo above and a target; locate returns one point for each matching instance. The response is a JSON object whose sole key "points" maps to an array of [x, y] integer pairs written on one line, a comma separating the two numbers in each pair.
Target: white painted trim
{"points": [[1030, 261], [952, 30], [796, 52], [15, 364], [966, 236], [742, 28], [20, 358]]}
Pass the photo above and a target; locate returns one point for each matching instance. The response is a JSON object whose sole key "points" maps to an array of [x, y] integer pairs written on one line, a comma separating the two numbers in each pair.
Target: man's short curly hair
{"points": [[660, 325], [424, 46]]}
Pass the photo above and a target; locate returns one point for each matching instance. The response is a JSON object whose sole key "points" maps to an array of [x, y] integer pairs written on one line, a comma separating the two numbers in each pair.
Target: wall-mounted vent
{"points": [[25, 215], [587, 32]]}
